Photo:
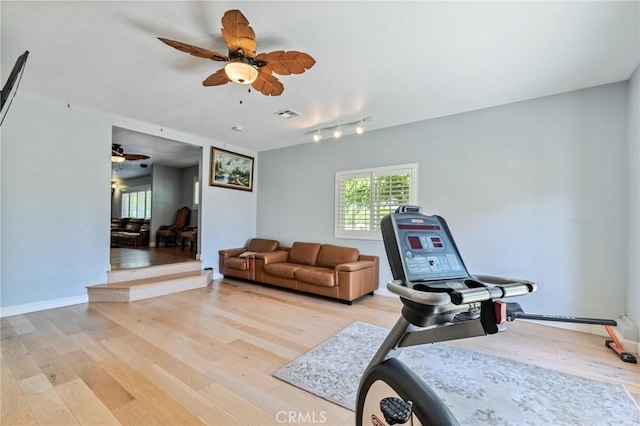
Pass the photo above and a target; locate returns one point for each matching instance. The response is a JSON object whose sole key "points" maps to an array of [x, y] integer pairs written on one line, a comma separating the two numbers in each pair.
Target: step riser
{"points": [[152, 271], [104, 294]]}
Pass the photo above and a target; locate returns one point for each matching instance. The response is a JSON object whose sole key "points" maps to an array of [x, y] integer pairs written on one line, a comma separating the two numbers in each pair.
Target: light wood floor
{"points": [[141, 257], [207, 355]]}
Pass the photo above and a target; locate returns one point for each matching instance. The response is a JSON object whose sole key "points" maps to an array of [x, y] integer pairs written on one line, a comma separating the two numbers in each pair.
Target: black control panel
{"points": [[421, 249]]}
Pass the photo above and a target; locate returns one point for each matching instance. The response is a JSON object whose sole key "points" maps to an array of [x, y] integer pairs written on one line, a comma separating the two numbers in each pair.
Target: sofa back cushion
{"points": [[260, 245], [331, 256], [134, 225], [304, 253]]}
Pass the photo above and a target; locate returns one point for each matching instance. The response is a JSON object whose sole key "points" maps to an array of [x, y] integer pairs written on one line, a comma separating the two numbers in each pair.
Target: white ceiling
{"points": [[398, 62], [161, 151]]}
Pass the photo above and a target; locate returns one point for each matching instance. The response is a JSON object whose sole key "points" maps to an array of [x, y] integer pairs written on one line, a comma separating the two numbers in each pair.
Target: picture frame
{"points": [[231, 170]]}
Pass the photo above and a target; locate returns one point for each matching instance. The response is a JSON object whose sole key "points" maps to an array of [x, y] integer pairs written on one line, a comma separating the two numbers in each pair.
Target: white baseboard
{"points": [[8, 311]]}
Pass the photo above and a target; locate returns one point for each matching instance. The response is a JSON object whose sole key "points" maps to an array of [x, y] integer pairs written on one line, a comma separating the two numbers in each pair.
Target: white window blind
{"points": [[136, 204], [364, 197]]}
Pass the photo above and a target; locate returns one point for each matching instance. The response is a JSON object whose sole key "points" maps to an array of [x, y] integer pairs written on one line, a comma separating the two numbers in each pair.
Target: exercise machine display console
{"points": [[420, 249]]}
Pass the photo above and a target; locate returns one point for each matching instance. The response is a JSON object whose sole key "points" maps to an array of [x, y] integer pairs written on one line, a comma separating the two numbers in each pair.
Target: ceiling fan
{"points": [[243, 65], [118, 155]]}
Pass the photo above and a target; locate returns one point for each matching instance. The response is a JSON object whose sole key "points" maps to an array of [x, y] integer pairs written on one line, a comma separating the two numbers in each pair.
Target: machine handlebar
{"points": [[478, 293]]}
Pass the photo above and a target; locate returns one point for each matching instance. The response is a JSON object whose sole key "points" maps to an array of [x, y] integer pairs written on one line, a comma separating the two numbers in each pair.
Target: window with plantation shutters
{"points": [[136, 203], [364, 197]]}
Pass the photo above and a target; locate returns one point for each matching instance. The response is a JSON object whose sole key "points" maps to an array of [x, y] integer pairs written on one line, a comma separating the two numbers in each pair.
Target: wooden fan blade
{"points": [[218, 78], [268, 85], [194, 50], [134, 157], [238, 33], [287, 62]]}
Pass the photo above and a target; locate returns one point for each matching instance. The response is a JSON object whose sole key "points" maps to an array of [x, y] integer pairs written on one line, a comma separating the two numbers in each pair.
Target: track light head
{"points": [[317, 136], [337, 132]]}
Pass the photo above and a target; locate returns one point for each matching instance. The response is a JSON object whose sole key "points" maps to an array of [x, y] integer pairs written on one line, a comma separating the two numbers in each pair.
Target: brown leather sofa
{"points": [[129, 232], [240, 262], [324, 269]]}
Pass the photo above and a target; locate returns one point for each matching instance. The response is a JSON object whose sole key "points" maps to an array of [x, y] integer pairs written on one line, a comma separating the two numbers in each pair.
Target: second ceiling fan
{"points": [[243, 65]]}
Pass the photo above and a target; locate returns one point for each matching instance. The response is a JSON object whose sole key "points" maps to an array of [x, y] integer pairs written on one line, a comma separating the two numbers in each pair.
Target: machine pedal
{"points": [[396, 410]]}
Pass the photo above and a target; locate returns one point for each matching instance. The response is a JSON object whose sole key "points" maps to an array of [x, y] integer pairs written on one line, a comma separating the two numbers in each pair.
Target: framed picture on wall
{"points": [[231, 170]]}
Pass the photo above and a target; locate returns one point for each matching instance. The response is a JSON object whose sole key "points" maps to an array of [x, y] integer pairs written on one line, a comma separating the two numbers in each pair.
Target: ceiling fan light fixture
{"points": [[240, 71], [117, 158]]}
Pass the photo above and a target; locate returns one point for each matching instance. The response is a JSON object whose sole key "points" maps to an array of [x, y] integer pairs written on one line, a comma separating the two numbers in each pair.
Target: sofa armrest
{"points": [[355, 266], [278, 256], [234, 252]]}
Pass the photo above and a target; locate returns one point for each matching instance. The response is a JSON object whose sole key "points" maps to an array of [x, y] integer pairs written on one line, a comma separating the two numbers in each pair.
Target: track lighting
{"points": [[338, 129]]}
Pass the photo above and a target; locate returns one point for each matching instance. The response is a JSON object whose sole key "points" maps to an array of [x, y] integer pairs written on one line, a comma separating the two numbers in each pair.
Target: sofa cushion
{"points": [[133, 226], [331, 256], [282, 270], [304, 253], [325, 277], [261, 245], [238, 263]]}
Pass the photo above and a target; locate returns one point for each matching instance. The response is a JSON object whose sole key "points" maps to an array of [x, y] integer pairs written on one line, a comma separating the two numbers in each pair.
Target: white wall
{"points": [[633, 136], [55, 201], [166, 198], [52, 245], [187, 191], [533, 190]]}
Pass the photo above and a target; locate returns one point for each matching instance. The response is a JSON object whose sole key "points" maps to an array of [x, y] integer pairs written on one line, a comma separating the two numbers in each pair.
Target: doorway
{"points": [[154, 179]]}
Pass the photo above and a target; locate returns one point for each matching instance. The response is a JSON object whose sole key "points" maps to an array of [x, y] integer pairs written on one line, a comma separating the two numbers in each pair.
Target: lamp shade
{"points": [[241, 72], [117, 159]]}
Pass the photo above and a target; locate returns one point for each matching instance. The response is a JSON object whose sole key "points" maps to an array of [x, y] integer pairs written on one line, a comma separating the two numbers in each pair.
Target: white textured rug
{"points": [[479, 388]]}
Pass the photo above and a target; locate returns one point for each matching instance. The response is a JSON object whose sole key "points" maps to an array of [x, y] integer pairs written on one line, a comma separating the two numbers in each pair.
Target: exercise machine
{"points": [[441, 301]]}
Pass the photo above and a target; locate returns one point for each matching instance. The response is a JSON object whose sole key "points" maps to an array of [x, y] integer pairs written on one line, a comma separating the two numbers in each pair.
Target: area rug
{"points": [[479, 388]]}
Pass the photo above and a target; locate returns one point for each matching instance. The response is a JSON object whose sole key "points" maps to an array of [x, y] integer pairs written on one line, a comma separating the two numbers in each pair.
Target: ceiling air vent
{"points": [[288, 113]]}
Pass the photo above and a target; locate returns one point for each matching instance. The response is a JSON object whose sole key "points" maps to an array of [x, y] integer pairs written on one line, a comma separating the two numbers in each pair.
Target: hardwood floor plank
{"points": [[21, 324], [14, 409], [105, 387], [134, 413], [45, 403], [53, 366], [182, 393], [18, 358], [153, 334], [237, 406], [179, 369], [148, 394], [218, 416], [34, 341], [84, 404], [52, 334], [259, 352]]}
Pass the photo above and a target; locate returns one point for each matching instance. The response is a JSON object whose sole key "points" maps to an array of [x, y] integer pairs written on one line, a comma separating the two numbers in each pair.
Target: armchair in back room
{"points": [[169, 233]]}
